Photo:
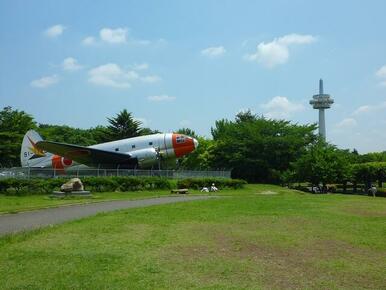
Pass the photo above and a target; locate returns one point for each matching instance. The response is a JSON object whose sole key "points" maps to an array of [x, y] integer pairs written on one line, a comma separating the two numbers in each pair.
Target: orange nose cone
{"points": [[183, 145], [195, 143]]}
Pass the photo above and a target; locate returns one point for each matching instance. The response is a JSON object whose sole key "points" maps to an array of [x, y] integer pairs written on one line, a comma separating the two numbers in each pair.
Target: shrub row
{"points": [[198, 183], [14, 186], [127, 183]]}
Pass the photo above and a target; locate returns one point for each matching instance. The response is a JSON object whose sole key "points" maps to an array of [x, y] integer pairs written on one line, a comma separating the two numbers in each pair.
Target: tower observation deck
{"points": [[321, 102]]}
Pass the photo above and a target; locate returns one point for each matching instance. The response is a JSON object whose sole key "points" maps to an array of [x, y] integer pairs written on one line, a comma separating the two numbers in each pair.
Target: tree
{"points": [[100, 134], [148, 131], [66, 134], [123, 126], [323, 163], [256, 148], [369, 172], [199, 159], [245, 116], [13, 125], [373, 157], [187, 131]]}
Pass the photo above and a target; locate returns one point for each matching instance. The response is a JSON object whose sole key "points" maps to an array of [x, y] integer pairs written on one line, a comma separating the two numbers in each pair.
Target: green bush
{"points": [[130, 183], [125, 183], [99, 184], [198, 183], [369, 172], [14, 186]]}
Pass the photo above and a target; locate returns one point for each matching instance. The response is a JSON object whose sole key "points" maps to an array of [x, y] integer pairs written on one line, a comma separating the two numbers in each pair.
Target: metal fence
{"points": [[29, 172]]}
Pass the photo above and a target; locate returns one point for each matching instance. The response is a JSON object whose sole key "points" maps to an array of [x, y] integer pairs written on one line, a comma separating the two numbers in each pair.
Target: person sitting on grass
{"points": [[204, 189], [213, 188]]}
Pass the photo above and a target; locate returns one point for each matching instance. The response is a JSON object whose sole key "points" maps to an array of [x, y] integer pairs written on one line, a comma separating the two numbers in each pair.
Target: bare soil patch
{"points": [[307, 266], [267, 192], [363, 212]]}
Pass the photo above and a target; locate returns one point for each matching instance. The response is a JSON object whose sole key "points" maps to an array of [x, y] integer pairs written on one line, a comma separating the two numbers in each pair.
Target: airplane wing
{"points": [[88, 156]]}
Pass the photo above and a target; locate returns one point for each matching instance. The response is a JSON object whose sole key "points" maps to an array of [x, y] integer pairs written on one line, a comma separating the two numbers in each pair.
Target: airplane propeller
{"points": [[159, 157]]}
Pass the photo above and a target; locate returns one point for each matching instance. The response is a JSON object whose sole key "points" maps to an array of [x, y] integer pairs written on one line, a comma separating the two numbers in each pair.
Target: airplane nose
{"points": [[195, 143]]}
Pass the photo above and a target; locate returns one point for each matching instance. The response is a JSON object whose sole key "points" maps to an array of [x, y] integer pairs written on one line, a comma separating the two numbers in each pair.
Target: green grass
{"points": [[245, 240], [14, 204]]}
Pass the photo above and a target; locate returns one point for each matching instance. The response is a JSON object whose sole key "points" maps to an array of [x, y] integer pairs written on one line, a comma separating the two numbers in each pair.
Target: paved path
{"points": [[11, 223]]}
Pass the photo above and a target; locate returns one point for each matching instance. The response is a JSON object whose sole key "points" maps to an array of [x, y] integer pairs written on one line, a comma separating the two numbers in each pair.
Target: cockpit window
{"points": [[180, 139]]}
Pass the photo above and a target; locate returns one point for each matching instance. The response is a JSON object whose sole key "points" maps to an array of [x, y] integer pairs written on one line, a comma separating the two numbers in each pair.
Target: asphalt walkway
{"points": [[12, 223]]}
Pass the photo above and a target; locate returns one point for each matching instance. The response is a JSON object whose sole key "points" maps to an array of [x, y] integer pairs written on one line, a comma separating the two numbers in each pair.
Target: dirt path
{"points": [[11, 223]]}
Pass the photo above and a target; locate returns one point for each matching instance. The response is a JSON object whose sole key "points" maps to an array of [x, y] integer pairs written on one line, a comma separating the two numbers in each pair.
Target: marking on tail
{"points": [[35, 150], [30, 154]]}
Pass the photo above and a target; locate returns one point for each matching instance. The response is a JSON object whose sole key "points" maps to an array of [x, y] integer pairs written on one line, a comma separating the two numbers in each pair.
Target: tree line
{"points": [[253, 147]]}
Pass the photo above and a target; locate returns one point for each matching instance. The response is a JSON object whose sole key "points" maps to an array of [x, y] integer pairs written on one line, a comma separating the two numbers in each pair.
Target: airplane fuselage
{"points": [[146, 151]]}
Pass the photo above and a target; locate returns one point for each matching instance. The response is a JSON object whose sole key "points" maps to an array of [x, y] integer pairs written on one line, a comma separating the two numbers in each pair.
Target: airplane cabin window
{"points": [[150, 143], [132, 146], [180, 139], [116, 149]]}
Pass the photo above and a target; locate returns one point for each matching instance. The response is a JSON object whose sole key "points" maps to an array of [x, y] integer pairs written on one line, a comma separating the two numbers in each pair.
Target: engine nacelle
{"points": [[146, 157], [59, 162]]}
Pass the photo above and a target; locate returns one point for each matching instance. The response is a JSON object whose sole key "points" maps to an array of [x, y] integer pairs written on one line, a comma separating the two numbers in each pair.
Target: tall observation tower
{"points": [[321, 102]]}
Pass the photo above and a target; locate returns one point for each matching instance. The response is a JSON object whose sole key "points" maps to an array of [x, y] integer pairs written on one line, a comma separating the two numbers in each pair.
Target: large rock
{"points": [[73, 185]]}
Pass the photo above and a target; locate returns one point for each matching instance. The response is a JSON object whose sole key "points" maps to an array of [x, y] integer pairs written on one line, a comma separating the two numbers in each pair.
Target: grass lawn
{"points": [[261, 237], [14, 204]]}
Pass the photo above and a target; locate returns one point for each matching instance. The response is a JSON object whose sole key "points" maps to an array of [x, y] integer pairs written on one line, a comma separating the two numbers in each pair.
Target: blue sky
{"points": [[186, 64]]}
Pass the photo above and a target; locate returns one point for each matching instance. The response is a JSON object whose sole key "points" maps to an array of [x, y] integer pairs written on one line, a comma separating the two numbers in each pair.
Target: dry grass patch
{"points": [[309, 263]]}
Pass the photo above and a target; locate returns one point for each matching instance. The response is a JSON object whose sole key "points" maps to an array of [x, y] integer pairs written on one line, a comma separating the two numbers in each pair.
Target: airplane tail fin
{"points": [[30, 154]]}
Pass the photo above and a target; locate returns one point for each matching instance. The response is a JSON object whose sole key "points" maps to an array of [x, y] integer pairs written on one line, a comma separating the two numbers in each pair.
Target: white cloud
{"points": [[362, 129], [115, 36], [120, 35], [54, 31], [369, 109], [112, 75], [141, 66], [45, 81], [346, 123], [161, 98], [296, 39], [150, 79], [140, 41], [381, 74], [161, 42], [270, 54], [89, 40], [214, 51], [71, 64], [362, 110], [280, 107], [276, 52]]}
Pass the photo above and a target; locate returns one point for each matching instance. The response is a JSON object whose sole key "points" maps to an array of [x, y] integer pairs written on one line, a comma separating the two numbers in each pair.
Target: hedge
{"points": [[370, 171], [14, 186]]}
